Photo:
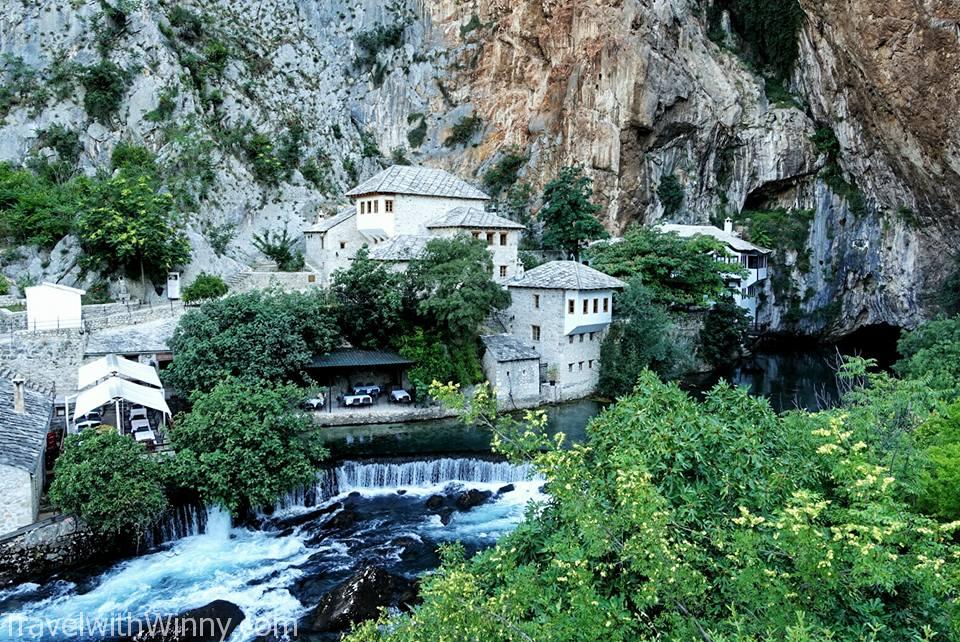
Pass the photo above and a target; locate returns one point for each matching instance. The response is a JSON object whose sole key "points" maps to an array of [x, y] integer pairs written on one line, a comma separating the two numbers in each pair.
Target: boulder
{"points": [[506, 489], [298, 520], [471, 498], [401, 492], [343, 519], [360, 598], [211, 623], [435, 501]]}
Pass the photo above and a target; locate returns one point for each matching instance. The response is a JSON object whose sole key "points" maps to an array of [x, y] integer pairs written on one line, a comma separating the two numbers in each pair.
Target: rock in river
{"points": [[211, 623], [471, 498], [360, 598]]}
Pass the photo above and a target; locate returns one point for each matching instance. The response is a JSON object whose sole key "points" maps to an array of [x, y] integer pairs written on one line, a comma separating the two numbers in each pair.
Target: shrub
{"points": [[205, 286], [279, 247], [133, 158], [368, 145], [671, 194], [4, 285], [36, 210], [379, 38], [189, 25], [66, 142], [166, 105], [724, 332], [398, 156], [107, 480], [350, 167], [317, 171], [503, 174], [18, 84], [463, 131], [418, 134], [105, 84]]}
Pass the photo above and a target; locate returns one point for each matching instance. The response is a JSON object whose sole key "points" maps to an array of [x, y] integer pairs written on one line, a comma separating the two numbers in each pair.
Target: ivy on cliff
{"points": [[768, 29]]}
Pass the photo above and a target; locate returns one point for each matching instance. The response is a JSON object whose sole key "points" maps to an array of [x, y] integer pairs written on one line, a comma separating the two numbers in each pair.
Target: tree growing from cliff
{"points": [[369, 301], [724, 332], [108, 480], [568, 215], [243, 445], [254, 335]]}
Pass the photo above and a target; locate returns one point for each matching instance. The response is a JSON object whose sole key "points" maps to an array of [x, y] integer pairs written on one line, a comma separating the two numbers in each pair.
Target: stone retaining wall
{"points": [[375, 416], [286, 281], [46, 547]]}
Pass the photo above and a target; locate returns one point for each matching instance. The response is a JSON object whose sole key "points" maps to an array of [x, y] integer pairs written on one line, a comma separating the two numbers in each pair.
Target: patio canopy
{"points": [[116, 388], [357, 359], [113, 366]]}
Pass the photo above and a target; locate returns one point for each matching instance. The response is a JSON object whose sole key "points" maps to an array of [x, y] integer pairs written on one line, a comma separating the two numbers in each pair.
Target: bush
{"points": [[279, 247], [105, 84], [372, 41], [932, 351], [37, 210], [205, 286], [4, 285], [463, 131], [503, 174], [166, 105], [317, 170], [418, 134], [66, 142], [189, 25], [133, 158], [671, 194], [724, 332], [108, 481]]}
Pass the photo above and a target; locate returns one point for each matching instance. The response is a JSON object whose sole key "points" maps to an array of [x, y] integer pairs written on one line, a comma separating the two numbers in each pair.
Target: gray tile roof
{"points": [[729, 239], [420, 181], [327, 224], [143, 338], [405, 247], [23, 436], [473, 217], [590, 327], [506, 347], [566, 275], [353, 358]]}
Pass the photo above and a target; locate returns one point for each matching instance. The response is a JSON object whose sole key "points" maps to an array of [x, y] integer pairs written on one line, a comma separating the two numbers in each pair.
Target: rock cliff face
{"points": [[635, 91]]}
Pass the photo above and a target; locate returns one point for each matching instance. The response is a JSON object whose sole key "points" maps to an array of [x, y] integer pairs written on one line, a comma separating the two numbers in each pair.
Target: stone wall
{"points": [[282, 280], [389, 415], [114, 315], [515, 382], [50, 359], [46, 547], [17, 501]]}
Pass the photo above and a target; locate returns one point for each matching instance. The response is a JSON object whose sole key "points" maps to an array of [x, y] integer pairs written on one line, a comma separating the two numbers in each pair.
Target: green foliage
{"points": [[503, 175], [677, 271], [379, 38], [133, 159], [253, 335], [188, 166], [398, 156], [438, 360], [715, 521], [110, 26], [724, 333], [105, 85], [568, 215], [369, 300], [36, 210], [125, 225], [319, 172], [19, 86], [280, 247], [769, 30], [205, 286], [350, 167], [64, 141], [418, 134], [643, 338], [939, 441], [189, 25], [166, 105], [452, 282], [368, 145], [472, 25], [108, 480], [4, 285], [825, 142], [778, 229], [97, 294], [463, 131], [264, 450], [219, 236], [671, 194], [932, 351], [778, 95], [948, 296]]}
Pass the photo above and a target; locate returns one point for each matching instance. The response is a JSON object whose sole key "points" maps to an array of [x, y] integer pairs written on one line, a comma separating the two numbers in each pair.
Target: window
{"points": [[388, 205], [596, 305], [581, 338], [311, 278], [489, 238], [586, 306], [503, 238], [363, 207], [503, 271], [570, 306], [591, 335], [536, 301], [570, 338], [475, 235], [590, 364], [606, 304], [343, 245], [376, 206], [535, 332], [580, 366], [569, 367]]}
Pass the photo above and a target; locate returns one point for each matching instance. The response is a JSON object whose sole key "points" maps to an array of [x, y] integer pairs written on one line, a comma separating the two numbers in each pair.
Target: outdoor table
{"points": [[89, 423], [400, 396], [315, 403], [367, 390], [139, 424], [138, 413], [357, 400], [145, 435]]}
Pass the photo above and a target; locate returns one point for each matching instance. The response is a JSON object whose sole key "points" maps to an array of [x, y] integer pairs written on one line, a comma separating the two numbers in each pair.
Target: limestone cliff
{"points": [[635, 91]]}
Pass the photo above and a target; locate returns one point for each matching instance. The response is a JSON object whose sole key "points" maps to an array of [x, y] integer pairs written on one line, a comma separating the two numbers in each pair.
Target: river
{"points": [[378, 492]]}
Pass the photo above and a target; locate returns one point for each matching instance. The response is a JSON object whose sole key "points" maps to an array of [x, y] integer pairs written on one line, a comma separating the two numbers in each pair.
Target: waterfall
{"points": [[186, 520], [352, 475]]}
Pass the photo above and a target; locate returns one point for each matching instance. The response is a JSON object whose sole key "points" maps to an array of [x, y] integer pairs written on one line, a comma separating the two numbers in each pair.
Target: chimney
{"points": [[19, 404], [728, 225]]}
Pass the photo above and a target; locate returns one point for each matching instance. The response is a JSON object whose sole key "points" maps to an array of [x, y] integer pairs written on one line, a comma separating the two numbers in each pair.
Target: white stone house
{"points": [[396, 212], [752, 258], [512, 366], [564, 309], [51, 306], [25, 416]]}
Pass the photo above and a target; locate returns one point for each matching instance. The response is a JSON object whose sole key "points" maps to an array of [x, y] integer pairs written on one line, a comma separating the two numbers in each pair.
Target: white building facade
{"points": [[51, 306]]}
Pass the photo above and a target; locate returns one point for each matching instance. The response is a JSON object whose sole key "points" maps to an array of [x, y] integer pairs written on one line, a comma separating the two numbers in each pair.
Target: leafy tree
{"points": [[105, 84], [253, 335], [280, 247], [205, 286], [714, 521], [939, 441], [369, 299], [671, 194], [37, 211], [125, 224], [642, 338], [108, 480], [678, 271], [244, 444], [453, 283], [568, 215], [440, 360], [933, 351], [133, 158], [724, 332]]}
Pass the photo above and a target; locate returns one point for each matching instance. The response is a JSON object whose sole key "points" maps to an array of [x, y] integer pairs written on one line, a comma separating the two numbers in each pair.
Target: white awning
{"points": [[116, 388], [112, 366]]}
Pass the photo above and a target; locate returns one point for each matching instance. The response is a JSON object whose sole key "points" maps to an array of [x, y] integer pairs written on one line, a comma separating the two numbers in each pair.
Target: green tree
{"points": [[643, 337], [280, 247], [670, 191], [568, 215], [724, 333], [369, 298], [110, 482], [939, 442], [125, 225], [36, 211], [932, 351], [678, 271], [253, 335], [105, 85], [205, 286], [454, 285], [244, 444], [682, 520]]}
